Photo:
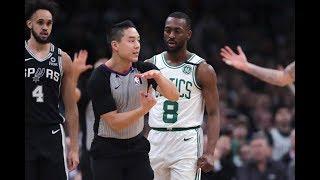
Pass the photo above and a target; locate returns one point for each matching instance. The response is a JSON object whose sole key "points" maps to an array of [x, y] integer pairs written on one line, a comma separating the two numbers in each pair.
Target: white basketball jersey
{"points": [[189, 109]]}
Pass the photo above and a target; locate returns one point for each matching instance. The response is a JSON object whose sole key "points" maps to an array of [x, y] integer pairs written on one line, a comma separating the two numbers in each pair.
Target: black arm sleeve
{"points": [[144, 67], [100, 92]]}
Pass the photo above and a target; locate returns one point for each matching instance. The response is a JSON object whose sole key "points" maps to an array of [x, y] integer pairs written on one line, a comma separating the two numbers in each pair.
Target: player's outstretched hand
{"points": [[79, 61], [238, 61]]}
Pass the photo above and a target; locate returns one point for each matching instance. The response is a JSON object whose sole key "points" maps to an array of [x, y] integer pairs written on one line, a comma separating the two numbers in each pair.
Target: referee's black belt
{"points": [[175, 129]]}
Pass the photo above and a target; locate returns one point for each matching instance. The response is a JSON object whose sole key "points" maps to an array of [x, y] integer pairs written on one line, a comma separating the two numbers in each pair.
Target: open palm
{"points": [[80, 60], [238, 61]]}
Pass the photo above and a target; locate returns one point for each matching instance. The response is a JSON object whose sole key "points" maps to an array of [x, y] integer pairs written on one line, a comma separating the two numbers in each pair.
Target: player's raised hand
{"points": [[79, 62], [238, 61]]}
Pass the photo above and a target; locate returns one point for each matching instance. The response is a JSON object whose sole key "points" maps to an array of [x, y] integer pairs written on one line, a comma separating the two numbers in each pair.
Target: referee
{"points": [[120, 99]]}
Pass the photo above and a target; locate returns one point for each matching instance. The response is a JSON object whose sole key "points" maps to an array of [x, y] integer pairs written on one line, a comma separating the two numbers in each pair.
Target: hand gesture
{"points": [[147, 100], [238, 61], [151, 74], [79, 62]]}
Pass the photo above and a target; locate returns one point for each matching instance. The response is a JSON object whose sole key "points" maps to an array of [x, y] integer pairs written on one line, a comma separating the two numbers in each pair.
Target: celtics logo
{"points": [[187, 69]]}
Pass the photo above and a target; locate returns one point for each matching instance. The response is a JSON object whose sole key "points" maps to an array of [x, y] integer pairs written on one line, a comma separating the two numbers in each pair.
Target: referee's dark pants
{"points": [[121, 159]]}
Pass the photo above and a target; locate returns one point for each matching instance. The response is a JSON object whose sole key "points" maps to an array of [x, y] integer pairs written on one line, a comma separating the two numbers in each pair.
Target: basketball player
{"points": [[118, 90], [175, 135], [272, 76], [48, 74]]}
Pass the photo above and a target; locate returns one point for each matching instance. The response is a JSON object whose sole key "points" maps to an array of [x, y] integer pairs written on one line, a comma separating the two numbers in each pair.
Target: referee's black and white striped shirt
{"points": [[110, 91]]}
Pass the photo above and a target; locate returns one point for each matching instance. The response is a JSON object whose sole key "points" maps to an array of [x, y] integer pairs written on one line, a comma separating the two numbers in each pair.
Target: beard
{"points": [[39, 39]]}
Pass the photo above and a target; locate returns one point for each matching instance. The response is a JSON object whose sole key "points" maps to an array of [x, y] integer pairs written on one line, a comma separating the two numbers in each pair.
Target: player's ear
{"points": [[189, 34], [28, 23]]}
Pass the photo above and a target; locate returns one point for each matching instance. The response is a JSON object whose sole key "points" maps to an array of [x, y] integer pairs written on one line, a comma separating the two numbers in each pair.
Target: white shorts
{"points": [[174, 154]]}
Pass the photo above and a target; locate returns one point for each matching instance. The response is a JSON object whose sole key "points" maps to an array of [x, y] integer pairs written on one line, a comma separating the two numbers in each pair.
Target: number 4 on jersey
{"points": [[38, 93]]}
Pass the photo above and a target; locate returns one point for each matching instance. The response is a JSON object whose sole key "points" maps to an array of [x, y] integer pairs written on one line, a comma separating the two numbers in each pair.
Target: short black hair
{"points": [[32, 6], [116, 32], [181, 15]]}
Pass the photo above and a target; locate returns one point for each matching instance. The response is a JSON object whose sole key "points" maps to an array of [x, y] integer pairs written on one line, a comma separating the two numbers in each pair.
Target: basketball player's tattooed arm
{"points": [[68, 87], [207, 79], [272, 76]]}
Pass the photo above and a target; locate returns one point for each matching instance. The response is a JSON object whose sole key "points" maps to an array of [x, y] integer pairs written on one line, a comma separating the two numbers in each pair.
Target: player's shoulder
{"points": [[66, 60], [65, 56], [201, 62], [205, 73], [153, 58], [204, 68], [196, 59]]}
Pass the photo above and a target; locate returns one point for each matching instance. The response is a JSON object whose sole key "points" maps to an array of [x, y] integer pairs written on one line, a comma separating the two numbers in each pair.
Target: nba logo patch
{"points": [[137, 81]]}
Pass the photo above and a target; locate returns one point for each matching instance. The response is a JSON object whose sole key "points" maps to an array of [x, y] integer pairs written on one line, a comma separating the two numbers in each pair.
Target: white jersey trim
{"points": [[63, 136], [43, 59]]}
